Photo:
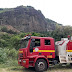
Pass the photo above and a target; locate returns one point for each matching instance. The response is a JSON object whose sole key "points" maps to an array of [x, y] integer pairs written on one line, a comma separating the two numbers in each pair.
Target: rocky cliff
{"points": [[26, 19]]}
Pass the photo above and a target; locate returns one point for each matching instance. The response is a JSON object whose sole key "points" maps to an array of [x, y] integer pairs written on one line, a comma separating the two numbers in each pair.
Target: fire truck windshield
{"points": [[24, 43]]}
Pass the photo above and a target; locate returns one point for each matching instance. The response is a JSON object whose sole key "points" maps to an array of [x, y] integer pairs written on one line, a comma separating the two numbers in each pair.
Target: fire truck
{"points": [[40, 52]]}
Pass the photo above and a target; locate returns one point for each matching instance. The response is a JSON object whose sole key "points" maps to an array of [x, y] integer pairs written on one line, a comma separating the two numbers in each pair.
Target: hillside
{"points": [[26, 19]]}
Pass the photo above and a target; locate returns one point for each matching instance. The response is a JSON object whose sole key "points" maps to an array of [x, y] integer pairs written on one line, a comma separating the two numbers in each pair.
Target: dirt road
{"points": [[4, 70]]}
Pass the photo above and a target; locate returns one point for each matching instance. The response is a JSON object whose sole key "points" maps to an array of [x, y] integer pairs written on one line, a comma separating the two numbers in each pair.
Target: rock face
{"points": [[26, 19]]}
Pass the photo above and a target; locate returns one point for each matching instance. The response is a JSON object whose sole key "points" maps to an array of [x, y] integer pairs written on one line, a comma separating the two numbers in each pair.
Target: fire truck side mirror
{"points": [[32, 45], [33, 40]]}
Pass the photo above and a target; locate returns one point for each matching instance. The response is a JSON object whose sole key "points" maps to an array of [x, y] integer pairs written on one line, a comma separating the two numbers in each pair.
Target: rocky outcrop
{"points": [[26, 19]]}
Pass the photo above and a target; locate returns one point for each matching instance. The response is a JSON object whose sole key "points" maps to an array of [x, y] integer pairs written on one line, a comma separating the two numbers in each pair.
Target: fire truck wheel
{"points": [[40, 65]]}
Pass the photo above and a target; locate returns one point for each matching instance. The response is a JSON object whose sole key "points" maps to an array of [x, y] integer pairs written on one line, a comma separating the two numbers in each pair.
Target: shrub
{"points": [[4, 29], [3, 56], [11, 32], [3, 43], [13, 53], [15, 42]]}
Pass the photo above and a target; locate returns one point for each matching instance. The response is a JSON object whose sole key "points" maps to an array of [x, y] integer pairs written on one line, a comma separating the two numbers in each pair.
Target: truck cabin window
{"points": [[24, 43], [35, 42], [47, 42]]}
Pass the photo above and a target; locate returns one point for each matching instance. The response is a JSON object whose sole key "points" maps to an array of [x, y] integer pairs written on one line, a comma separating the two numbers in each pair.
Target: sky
{"points": [[57, 10]]}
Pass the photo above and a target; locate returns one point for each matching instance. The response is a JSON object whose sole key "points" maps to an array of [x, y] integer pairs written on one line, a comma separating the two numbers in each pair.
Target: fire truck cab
{"points": [[35, 52]]}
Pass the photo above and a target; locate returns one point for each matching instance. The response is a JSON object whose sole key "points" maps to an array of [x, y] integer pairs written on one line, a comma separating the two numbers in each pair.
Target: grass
{"points": [[60, 68], [12, 66], [57, 68], [6, 68]]}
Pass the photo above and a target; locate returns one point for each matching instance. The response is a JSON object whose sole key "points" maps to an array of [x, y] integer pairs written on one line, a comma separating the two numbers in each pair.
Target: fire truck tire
{"points": [[40, 65]]}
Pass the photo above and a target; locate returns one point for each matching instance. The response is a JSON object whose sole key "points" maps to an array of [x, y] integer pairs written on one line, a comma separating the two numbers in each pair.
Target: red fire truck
{"points": [[40, 52]]}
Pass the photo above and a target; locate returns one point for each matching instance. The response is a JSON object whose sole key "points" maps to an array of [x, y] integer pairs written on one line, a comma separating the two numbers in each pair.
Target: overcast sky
{"points": [[57, 10]]}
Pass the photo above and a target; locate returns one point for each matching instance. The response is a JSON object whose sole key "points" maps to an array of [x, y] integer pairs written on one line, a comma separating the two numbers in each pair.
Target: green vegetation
{"points": [[4, 29], [9, 43], [5, 9], [9, 46]]}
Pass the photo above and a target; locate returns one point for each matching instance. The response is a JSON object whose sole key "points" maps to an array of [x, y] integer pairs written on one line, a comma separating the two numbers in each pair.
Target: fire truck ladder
{"points": [[62, 59]]}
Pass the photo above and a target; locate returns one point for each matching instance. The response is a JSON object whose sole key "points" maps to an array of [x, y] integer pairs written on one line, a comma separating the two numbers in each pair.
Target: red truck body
{"points": [[69, 46], [38, 51]]}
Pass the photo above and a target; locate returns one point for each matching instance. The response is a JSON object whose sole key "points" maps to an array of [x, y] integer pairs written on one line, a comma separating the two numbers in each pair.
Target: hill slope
{"points": [[26, 19]]}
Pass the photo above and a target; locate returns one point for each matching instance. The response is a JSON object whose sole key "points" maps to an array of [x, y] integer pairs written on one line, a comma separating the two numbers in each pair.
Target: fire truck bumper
{"points": [[24, 63]]}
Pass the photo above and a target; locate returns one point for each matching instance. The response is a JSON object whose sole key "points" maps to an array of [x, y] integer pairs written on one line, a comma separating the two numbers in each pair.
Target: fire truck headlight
{"points": [[24, 61], [19, 60]]}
